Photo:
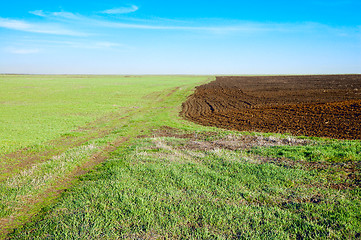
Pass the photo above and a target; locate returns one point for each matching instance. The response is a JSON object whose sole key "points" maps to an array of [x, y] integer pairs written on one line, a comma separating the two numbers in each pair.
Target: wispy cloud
{"points": [[88, 44], [121, 10], [36, 43], [47, 28], [22, 50], [57, 15], [60, 23], [38, 13], [164, 24], [219, 27]]}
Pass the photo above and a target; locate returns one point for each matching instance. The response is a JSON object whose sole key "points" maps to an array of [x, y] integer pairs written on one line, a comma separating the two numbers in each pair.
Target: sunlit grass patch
{"points": [[164, 177], [154, 188], [24, 186], [56, 105], [329, 151]]}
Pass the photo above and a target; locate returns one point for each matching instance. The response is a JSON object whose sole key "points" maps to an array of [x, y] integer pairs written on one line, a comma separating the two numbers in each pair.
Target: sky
{"points": [[180, 37]]}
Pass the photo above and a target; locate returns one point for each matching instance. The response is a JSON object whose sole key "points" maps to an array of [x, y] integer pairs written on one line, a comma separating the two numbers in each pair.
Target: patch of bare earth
{"points": [[211, 141], [323, 105]]}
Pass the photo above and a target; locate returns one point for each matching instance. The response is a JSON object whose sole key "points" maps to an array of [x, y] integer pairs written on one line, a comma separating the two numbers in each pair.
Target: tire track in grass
{"points": [[25, 158], [110, 133], [36, 182], [27, 205]]}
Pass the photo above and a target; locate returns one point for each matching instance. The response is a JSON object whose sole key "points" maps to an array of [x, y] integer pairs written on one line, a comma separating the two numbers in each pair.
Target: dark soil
{"points": [[322, 106]]}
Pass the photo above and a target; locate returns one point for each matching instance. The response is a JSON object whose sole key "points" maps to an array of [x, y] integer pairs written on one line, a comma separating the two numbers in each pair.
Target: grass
{"points": [[329, 150], [59, 104], [117, 108], [31, 181], [163, 177], [151, 189]]}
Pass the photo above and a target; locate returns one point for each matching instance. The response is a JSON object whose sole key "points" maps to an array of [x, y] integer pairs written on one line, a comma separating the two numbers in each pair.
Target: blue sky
{"points": [[180, 37]]}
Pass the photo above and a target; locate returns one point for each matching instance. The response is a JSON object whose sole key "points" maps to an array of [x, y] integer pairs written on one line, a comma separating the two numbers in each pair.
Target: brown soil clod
{"points": [[319, 105]]}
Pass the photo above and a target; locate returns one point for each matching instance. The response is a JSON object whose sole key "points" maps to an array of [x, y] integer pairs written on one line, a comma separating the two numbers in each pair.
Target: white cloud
{"points": [[13, 24], [57, 15], [89, 44], [214, 26], [121, 10], [106, 44], [22, 50], [79, 44], [47, 28], [66, 15], [39, 13]]}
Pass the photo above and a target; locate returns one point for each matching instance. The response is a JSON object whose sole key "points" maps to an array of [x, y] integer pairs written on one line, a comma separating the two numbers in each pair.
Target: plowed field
{"points": [[323, 105]]}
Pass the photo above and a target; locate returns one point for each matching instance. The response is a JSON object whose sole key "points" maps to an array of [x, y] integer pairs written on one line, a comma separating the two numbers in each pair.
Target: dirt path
{"points": [[24, 158], [56, 188], [323, 106]]}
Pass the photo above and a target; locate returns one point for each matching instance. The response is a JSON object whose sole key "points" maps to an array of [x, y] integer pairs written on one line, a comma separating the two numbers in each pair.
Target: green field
{"points": [[109, 157]]}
